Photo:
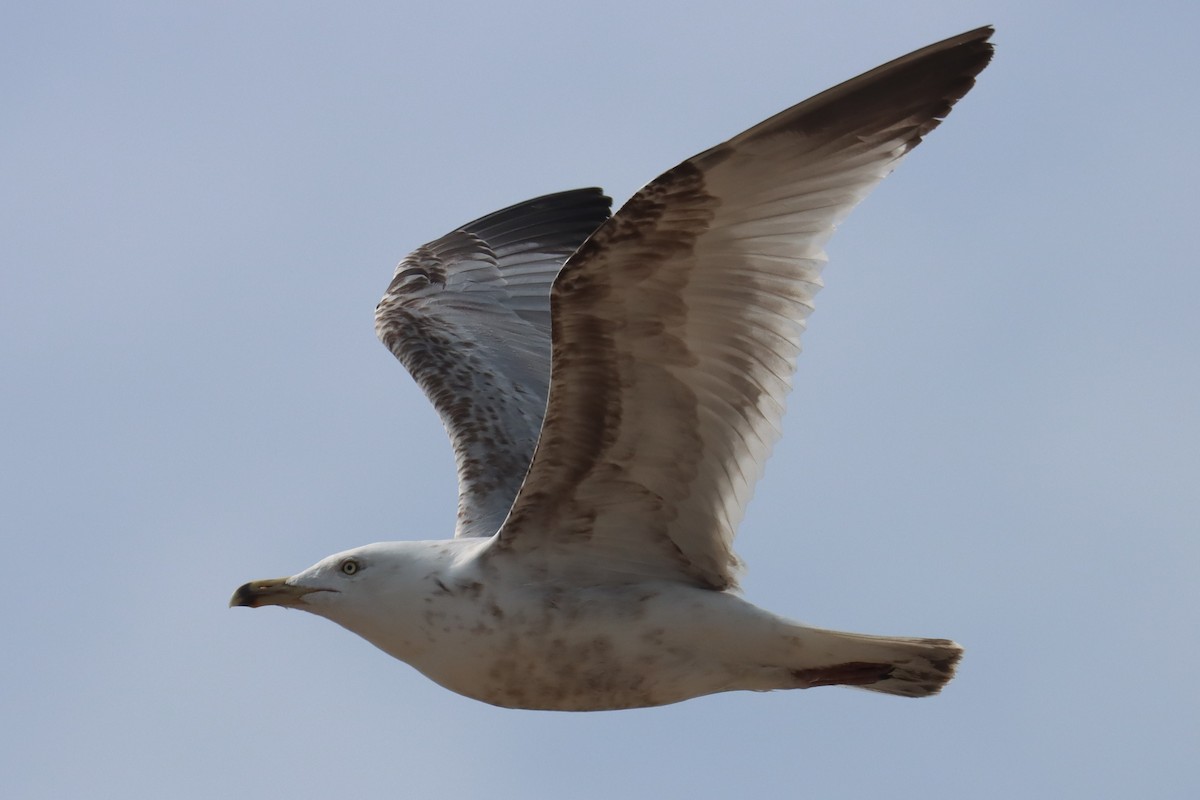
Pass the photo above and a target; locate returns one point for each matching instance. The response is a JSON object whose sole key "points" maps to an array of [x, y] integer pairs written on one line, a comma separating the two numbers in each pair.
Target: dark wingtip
{"points": [[916, 90]]}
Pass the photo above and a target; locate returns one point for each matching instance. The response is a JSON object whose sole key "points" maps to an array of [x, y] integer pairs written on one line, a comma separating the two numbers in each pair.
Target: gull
{"points": [[612, 386]]}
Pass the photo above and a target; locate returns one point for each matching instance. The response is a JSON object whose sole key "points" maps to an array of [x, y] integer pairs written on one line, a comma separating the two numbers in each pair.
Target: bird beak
{"points": [[272, 592]]}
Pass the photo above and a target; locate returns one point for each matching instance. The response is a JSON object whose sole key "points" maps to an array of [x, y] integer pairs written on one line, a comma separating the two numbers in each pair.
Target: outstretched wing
{"points": [[677, 325], [469, 316]]}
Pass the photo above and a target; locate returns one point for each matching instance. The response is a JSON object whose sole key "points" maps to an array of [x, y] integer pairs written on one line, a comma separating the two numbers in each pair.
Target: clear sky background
{"points": [[995, 432]]}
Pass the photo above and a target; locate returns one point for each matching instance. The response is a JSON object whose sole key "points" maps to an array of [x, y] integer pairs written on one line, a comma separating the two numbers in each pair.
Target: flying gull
{"points": [[612, 387]]}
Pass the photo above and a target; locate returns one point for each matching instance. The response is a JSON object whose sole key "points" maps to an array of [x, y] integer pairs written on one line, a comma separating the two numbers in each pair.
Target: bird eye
{"points": [[350, 566]]}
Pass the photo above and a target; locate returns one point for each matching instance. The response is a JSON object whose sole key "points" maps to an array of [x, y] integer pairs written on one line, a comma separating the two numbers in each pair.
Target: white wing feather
{"points": [[677, 325]]}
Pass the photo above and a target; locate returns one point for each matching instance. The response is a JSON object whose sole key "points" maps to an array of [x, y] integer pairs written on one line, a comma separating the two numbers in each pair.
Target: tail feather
{"points": [[890, 665]]}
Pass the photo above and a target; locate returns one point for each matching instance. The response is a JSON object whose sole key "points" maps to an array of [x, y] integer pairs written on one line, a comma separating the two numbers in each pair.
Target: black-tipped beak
{"points": [[271, 592]]}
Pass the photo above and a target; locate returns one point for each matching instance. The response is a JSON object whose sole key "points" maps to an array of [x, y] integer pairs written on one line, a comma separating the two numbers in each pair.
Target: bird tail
{"points": [[891, 665]]}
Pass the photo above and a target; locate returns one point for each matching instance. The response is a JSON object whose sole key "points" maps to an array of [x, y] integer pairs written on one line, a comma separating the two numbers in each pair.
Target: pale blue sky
{"points": [[994, 435]]}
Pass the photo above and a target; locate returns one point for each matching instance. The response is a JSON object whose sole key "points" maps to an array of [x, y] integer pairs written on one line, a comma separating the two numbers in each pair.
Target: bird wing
{"points": [[469, 317], [677, 324]]}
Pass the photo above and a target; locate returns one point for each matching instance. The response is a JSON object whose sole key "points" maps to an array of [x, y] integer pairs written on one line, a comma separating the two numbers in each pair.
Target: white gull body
{"points": [[490, 627], [612, 387]]}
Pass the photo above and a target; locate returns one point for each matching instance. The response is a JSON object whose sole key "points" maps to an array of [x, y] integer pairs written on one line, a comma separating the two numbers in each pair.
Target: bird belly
{"points": [[596, 648]]}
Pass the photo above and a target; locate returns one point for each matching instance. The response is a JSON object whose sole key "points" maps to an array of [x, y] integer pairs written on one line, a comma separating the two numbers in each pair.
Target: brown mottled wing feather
{"points": [[677, 325], [469, 316]]}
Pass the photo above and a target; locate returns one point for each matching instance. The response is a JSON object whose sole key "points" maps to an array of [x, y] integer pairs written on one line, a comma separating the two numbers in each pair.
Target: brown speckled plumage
{"points": [[593, 564], [469, 317]]}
